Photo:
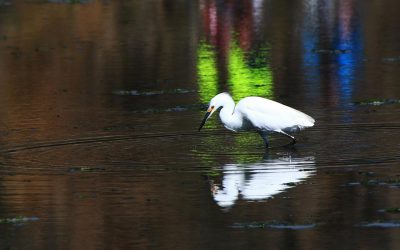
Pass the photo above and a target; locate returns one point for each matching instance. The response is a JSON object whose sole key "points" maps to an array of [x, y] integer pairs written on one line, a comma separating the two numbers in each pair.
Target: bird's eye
{"points": [[212, 107]]}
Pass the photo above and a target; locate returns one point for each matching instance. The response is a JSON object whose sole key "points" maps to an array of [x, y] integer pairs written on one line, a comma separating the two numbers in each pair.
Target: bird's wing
{"points": [[270, 115]]}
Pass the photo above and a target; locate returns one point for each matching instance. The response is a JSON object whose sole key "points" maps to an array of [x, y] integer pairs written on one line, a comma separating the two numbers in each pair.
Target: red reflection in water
{"points": [[225, 21]]}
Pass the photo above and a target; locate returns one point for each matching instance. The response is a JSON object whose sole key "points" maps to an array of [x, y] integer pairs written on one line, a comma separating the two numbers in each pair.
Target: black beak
{"points": [[204, 119]]}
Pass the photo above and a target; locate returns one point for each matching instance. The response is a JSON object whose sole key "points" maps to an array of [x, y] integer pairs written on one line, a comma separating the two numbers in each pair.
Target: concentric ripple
{"points": [[331, 145]]}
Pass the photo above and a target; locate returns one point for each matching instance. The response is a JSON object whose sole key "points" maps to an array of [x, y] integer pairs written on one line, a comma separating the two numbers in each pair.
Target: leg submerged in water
{"points": [[264, 136]]}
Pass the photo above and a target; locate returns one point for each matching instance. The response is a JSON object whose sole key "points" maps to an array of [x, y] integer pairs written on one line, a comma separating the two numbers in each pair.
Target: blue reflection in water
{"points": [[333, 50], [311, 60], [350, 45]]}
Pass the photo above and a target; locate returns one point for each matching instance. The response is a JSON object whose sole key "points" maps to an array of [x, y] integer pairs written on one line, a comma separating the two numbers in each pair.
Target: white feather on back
{"points": [[270, 115]]}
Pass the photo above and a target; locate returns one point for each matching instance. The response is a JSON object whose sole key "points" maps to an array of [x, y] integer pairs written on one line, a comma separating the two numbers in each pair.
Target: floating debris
{"points": [[390, 182], [390, 210], [391, 59], [373, 183], [331, 51], [152, 93], [352, 184], [378, 102], [293, 227], [167, 110], [381, 224], [272, 225], [137, 93], [85, 169], [176, 109], [18, 220], [173, 109], [366, 173], [181, 91]]}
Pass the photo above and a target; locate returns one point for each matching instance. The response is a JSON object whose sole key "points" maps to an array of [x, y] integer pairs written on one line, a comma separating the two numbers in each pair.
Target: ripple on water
{"points": [[160, 151], [341, 145]]}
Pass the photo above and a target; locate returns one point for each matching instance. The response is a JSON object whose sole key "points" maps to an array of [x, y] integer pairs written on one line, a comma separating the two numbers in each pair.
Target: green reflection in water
{"points": [[249, 74], [207, 72], [249, 79]]}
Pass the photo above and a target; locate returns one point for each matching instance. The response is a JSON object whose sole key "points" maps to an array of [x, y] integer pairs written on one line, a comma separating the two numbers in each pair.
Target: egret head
{"points": [[216, 102]]}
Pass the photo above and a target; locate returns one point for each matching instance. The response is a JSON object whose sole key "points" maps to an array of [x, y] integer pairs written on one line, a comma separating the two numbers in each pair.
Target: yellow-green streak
{"points": [[207, 72], [246, 80]]}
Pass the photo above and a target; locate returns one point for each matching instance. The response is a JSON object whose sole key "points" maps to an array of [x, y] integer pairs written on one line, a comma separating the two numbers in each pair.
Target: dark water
{"points": [[100, 103]]}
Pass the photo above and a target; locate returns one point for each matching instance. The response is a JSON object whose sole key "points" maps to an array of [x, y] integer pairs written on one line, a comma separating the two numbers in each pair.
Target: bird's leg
{"points": [[291, 137], [264, 135]]}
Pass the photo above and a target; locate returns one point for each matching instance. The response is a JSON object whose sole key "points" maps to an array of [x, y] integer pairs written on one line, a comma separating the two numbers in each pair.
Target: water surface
{"points": [[100, 104]]}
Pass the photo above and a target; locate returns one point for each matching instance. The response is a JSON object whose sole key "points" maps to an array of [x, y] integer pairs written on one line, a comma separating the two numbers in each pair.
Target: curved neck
{"points": [[231, 120]]}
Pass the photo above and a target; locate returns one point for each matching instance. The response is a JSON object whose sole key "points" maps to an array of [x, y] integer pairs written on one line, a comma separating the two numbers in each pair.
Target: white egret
{"points": [[259, 114]]}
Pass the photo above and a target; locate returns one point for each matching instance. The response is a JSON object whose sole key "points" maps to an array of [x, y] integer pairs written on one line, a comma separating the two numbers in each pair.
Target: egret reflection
{"points": [[260, 181]]}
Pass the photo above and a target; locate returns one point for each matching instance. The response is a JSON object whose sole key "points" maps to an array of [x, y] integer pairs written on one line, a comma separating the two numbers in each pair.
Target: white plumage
{"points": [[259, 114]]}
